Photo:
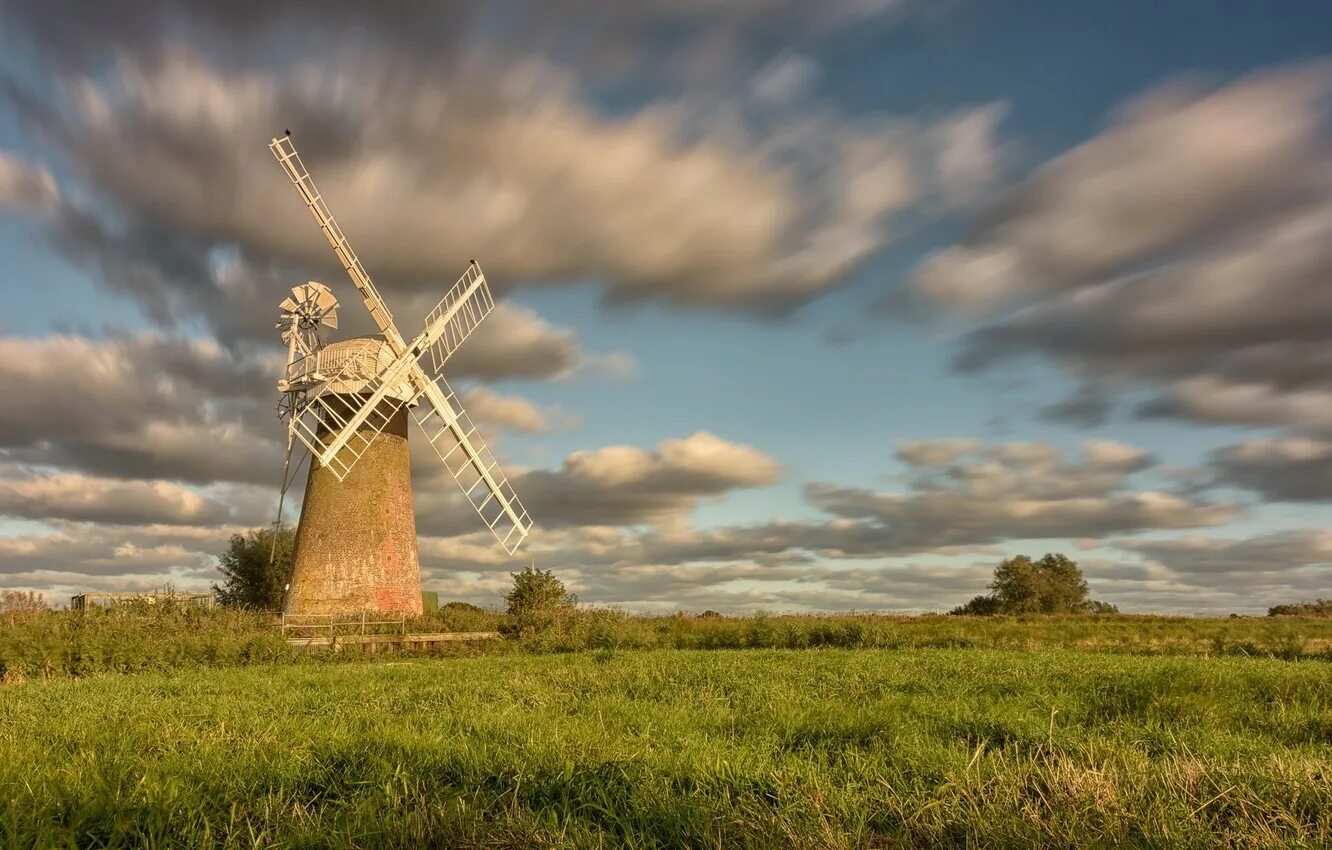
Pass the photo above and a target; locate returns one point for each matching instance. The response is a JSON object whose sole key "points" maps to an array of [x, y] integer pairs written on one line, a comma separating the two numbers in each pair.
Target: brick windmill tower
{"points": [[348, 403]]}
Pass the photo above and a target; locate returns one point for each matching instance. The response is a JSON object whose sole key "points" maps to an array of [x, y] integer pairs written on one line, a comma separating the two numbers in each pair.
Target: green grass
{"points": [[823, 748], [59, 644]]}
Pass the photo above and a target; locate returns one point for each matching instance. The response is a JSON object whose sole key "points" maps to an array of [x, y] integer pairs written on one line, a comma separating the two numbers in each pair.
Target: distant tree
{"points": [[22, 602], [538, 600], [1317, 608], [979, 606], [1095, 606], [249, 580], [1052, 585], [461, 608], [709, 615]]}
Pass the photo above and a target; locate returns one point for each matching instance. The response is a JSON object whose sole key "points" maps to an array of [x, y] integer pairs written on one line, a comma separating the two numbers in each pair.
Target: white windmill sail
{"points": [[338, 432]]}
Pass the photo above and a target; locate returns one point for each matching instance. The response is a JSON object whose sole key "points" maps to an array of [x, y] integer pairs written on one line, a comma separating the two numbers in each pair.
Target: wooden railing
{"points": [[346, 623]]}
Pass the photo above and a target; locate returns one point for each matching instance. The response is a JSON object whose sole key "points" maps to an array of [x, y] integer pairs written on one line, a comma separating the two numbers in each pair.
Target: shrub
{"points": [[1095, 606], [462, 608], [1317, 608], [979, 606], [255, 571], [460, 617], [537, 601]]}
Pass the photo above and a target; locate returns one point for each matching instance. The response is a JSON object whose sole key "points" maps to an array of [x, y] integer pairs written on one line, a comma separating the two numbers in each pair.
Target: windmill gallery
{"points": [[348, 402]]}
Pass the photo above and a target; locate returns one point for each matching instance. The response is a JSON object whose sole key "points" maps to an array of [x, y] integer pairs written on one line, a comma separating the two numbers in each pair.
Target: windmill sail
{"points": [[347, 403], [448, 427], [456, 315], [471, 463], [285, 152], [352, 403]]}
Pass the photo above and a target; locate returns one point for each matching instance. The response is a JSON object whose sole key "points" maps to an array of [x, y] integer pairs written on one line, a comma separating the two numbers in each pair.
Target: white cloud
{"points": [[1176, 166], [1185, 248], [514, 413], [25, 186], [146, 406], [68, 495], [669, 202]]}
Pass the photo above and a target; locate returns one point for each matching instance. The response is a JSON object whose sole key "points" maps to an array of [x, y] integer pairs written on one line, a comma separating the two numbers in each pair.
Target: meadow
{"points": [[679, 748], [58, 644]]}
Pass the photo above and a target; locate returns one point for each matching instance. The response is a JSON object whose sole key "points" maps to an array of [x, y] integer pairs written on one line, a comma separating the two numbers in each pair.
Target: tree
{"points": [[22, 602], [249, 580], [538, 600], [1052, 585]]}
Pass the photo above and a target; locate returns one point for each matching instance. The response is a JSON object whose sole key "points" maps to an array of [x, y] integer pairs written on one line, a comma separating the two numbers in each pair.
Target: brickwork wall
{"points": [[356, 541]]}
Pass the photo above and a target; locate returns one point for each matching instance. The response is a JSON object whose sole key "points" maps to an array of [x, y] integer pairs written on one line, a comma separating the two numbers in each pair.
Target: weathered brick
{"points": [[356, 541]]}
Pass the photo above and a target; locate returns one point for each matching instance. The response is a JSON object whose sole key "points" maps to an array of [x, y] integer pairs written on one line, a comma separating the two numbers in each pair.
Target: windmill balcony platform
{"points": [[347, 366]]}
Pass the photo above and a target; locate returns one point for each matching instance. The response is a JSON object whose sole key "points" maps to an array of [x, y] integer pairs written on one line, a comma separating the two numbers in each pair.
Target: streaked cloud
{"points": [[25, 186]]}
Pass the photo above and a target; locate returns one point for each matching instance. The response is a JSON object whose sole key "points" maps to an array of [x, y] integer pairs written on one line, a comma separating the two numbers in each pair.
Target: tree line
{"points": [[1021, 585]]}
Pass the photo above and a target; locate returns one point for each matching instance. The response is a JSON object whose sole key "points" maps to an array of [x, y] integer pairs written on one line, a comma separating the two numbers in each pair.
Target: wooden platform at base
{"points": [[373, 643]]}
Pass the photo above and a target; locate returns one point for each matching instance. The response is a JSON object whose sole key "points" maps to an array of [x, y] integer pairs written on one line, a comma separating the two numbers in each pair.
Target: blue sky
{"points": [[752, 243]]}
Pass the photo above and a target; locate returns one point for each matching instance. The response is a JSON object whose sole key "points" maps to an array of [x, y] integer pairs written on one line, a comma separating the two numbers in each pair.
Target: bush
{"points": [[979, 606], [537, 601], [462, 608], [1317, 608], [1095, 606], [460, 617], [256, 572]]}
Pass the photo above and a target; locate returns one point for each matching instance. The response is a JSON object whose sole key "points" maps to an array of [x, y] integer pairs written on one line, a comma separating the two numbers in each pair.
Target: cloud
{"points": [[1175, 167], [785, 78], [1282, 469], [514, 342], [643, 571], [623, 485], [24, 186], [678, 40], [1089, 406], [145, 406], [514, 413], [178, 278], [1244, 557], [793, 203], [970, 159], [47, 494], [972, 500], [69, 558], [1216, 400], [938, 452], [1186, 247]]}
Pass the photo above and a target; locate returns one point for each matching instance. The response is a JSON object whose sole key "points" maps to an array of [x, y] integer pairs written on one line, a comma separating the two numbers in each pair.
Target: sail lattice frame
{"points": [[455, 438]]}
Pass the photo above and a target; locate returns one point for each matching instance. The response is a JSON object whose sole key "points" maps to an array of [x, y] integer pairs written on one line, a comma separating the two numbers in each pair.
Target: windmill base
{"points": [[356, 541]]}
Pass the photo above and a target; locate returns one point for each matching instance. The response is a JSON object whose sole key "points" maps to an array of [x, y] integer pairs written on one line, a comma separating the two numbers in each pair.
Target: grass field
{"points": [[814, 748], [58, 644]]}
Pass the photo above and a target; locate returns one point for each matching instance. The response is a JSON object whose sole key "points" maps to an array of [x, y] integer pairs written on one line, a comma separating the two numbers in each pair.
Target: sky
{"points": [[803, 306]]}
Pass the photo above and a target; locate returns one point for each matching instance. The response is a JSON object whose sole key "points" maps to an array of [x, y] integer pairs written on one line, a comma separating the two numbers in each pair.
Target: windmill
{"points": [[347, 402]]}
